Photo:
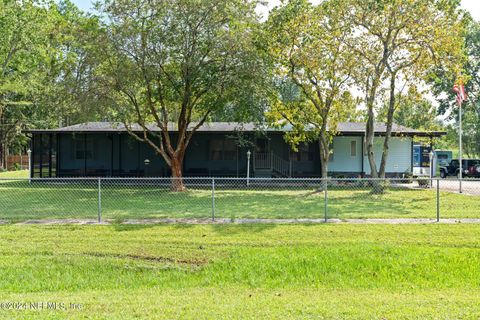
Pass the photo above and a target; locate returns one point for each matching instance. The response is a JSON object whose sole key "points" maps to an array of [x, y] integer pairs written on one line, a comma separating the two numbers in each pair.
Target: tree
{"points": [[175, 63], [314, 68], [41, 68], [442, 81], [67, 92], [20, 50], [400, 40], [412, 110]]}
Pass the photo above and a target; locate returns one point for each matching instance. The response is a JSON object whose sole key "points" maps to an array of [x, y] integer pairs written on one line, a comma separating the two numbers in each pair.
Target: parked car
{"points": [[470, 167]]}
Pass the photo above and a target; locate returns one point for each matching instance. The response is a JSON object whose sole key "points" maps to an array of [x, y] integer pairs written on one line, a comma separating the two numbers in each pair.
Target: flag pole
{"points": [[461, 97], [460, 158]]}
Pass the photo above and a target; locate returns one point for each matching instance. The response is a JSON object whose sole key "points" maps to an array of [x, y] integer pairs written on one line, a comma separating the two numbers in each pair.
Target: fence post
{"points": [[325, 182], [213, 199], [438, 200], [99, 200]]}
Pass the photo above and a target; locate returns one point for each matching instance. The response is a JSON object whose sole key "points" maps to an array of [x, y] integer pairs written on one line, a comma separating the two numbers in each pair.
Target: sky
{"points": [[473, 6]]}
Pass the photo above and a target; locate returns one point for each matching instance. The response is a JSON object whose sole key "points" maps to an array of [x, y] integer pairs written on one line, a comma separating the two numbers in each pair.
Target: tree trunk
{"points": [[388, 130], [3, 156], [177, 174], [324, 155], [377, 187], [369, 143]]}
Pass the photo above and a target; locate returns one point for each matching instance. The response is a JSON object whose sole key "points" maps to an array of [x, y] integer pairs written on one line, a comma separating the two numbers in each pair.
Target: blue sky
{"points": [[83, 4], [471, 5]]}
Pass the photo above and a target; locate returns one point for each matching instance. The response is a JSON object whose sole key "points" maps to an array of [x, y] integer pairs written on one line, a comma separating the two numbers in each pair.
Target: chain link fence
{"points": [[120, 199]]}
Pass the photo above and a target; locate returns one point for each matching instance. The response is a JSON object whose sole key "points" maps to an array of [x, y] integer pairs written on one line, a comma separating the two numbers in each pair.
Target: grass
{"points": [[19, 174], [243, 271], [20, 200]]}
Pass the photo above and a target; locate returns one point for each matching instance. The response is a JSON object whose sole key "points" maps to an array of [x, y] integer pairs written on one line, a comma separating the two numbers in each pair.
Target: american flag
{"points": [[461, 93]]}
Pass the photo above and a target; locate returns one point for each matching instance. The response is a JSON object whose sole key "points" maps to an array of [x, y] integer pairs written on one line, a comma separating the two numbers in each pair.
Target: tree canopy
{"points": [[400, 40], [313, 68], [178, 62], [170, 66]]}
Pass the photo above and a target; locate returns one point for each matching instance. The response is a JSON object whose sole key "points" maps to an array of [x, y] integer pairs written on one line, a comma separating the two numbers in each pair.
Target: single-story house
{"points": [[100, 149]]}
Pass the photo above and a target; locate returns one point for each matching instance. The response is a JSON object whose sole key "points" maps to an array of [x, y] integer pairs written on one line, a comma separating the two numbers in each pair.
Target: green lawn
{"points": [[20, 200], [243, 271], [19, 174]]}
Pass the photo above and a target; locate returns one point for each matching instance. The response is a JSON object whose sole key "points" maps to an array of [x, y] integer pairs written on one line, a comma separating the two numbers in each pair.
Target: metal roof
{"points": [[343, 128]]}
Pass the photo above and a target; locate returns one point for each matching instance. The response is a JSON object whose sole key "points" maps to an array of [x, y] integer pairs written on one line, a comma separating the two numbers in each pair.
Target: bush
{"points": [[423, 182], [379, 186], [407, 178]]}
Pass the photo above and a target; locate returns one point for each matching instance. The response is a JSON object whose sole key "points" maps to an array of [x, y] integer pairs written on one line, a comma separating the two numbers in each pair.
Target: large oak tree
{"points": [[170, 65]]}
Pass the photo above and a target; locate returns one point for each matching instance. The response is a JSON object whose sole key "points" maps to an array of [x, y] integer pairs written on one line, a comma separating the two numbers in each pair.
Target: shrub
{"points": [[423, 182]]}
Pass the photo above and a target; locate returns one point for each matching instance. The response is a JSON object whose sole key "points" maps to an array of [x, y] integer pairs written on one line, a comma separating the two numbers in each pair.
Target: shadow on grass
{"points": [[118, 226], [393, 203], [234, 229], [22, 201]]}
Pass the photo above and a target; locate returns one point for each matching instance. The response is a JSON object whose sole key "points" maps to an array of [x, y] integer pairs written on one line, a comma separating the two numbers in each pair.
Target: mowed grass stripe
{"points": [[244, 271]]}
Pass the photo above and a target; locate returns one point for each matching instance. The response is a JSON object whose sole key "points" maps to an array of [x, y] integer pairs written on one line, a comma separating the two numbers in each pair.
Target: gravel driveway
{"points": [[468, 186]]}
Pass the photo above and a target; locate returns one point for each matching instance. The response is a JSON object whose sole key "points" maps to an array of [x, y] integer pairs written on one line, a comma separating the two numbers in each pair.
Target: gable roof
{"points": [[343, 128]]}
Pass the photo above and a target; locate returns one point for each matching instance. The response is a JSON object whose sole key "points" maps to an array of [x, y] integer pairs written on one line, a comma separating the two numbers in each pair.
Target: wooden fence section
{"points": [[20, 160]]}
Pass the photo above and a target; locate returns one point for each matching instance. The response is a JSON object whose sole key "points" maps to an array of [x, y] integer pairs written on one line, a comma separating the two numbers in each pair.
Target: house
{"points": [[103, 149]]}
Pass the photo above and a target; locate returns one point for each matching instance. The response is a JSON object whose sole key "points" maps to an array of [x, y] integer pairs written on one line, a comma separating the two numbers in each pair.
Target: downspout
{"points": [[363, 156], [411, 156]]}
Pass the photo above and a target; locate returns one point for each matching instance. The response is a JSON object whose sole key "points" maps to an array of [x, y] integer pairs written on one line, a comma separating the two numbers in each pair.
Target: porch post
{"points": [[30, 169], [84, 154], [50, 155], [111, 156], [290, 167], [248, 166]]}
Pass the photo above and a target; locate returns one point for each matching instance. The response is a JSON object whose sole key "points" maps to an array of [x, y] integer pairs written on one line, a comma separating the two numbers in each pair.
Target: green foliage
{"points": [[412, 110], [398, 43], [21, 39], [68, 92], [313, 68], [181, 61], [41, 68], [442, 81]]}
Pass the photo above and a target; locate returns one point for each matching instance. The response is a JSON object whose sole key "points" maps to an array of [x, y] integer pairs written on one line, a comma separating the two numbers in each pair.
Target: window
{"points": [[353, 148], [223, 149]]}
